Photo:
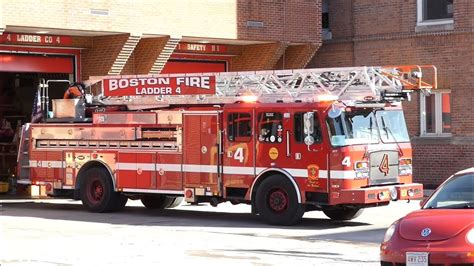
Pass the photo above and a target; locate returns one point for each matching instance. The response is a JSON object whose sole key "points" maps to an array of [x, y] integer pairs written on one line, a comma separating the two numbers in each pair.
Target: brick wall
{"points": [[435, 162], [215, 19], [97, 60], [82, 42], [374, 32], [144, 56], [296, 56], [258, 57], [334, 55], [295, 20]]}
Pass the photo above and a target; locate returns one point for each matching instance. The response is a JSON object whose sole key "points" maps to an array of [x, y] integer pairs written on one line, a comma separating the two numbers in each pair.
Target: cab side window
{"points": [[239, 127], [299, 128], [270, 126]]}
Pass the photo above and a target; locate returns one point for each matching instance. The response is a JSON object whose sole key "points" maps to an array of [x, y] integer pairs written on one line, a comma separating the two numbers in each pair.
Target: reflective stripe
{"points": [[237, 170], [136, 166], [297, 172], [342, 174], [195, 168], [169, 167]]}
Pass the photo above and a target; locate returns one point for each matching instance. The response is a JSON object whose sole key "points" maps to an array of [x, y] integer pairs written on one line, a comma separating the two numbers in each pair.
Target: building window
{"points": [[436, 114], [327, 35], [435, 12]]}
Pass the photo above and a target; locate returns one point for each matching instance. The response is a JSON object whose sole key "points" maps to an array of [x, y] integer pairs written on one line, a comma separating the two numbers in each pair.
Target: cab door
{"points": [[290, 139], [271, 139], [238, 149], [307, 149]]}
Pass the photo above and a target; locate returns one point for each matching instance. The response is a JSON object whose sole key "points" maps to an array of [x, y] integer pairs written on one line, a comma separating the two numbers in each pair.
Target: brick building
{"points": [[73, 40], [438, 32]]}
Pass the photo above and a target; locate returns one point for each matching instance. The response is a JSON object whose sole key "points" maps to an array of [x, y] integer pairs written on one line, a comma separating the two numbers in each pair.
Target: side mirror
{"points": [[308, 120], [309, 140]]}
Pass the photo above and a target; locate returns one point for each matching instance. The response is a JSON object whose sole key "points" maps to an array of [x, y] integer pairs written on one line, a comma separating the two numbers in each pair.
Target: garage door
{"points": [[36, 63]]}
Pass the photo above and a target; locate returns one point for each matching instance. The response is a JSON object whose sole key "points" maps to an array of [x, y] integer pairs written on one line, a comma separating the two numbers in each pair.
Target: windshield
{"points": [[356, 127], [457, 193], [392, 126]]}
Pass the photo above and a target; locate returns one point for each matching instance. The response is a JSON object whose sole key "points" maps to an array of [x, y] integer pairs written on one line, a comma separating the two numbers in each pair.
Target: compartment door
{"points": [[201, 152]]}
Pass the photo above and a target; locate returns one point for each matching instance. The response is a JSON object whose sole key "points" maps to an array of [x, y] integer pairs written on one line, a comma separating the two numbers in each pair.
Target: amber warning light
{"points": [[159, 86]]}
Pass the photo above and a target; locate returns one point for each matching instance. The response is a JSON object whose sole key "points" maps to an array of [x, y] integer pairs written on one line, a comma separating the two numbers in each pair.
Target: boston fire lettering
{"points": [[200, 82], [115, 84], [159, 86]]}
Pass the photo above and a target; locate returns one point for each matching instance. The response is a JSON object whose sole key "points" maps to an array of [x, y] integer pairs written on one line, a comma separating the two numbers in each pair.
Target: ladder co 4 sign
{"points": [[187, 85]]}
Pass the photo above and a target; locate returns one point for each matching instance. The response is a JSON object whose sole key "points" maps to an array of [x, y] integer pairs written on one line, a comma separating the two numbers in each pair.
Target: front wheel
{"points": [[277, 201], [341, 213]]}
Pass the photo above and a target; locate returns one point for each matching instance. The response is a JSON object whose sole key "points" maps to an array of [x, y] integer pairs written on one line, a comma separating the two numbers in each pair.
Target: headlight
{"points": [[389, 232], [470, 236]]}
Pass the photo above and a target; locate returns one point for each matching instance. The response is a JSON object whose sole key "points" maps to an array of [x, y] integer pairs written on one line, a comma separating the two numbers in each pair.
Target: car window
{"points": [[456, 193], [239, 127]]}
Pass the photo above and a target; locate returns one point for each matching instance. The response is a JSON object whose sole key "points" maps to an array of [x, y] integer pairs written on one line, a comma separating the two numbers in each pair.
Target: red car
{"points": [[441, 233]]}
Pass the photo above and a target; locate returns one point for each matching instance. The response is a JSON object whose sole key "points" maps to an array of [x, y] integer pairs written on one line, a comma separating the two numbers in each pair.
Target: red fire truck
{"points": [[285, 142]]}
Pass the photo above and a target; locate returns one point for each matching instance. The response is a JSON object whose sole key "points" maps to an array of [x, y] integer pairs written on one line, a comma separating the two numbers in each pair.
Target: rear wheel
{"points": [[340, 213], [160, 201], [97, 192], [277, 201]]}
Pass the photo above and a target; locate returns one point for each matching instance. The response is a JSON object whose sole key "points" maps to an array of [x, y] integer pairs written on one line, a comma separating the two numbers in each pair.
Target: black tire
{"points": [[97, 192], [160, 201], [120, 203], [277, 201], [175, 202], [340, 213]]}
